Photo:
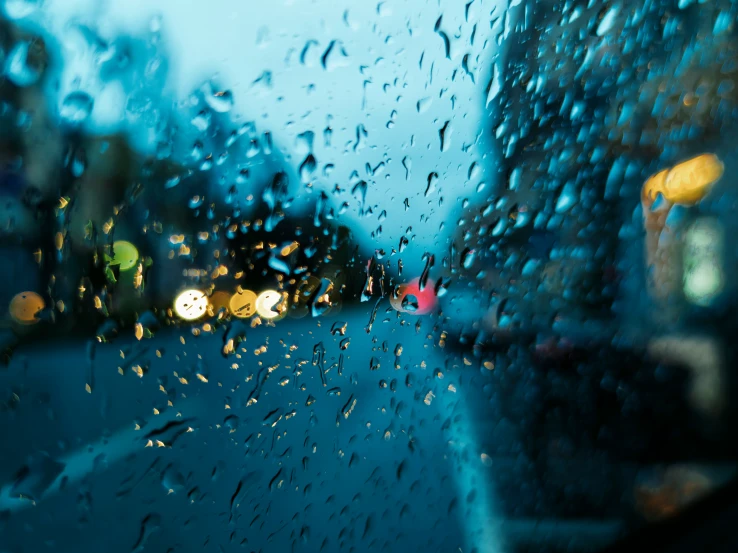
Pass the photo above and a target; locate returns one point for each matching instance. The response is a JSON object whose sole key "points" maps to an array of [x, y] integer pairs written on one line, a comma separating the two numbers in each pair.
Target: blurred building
{"points": [[591, 101]]}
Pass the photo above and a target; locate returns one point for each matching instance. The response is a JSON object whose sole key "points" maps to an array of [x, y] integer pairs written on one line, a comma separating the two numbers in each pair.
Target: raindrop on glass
{"points": [[77, 107]]}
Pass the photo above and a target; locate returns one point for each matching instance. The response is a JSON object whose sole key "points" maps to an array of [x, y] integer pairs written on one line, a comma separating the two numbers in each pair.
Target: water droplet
{"points": [[172, 479], [18, 66], [441, 287], [348, 407], [36, 477], [309, 55], [423, 104], [77, 107], [171, 182], [201, 121], [194, 495], [320, 206], [474, 171], [361, 136], [432, 184], [495, 84], [567, 199], [231, 422], [279, 265], [18, 9], [196, 201], [334, 56], [608, 20], [407, 163], [137, 104], [307, 168], [220, 101], [273, 417], [410, 303], [359, 192], [445, 136], [263, 83], [468, 256], [318, 303], [339, 327], [444, 37], [149, 525], [430, 260]]}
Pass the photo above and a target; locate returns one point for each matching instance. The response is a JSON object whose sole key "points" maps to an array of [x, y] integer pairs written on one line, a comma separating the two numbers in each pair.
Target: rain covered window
{"points": [[333, 276]]}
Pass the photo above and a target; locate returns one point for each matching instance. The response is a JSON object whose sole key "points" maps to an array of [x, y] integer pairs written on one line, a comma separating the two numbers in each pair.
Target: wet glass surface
{"points": [[398, 276]]}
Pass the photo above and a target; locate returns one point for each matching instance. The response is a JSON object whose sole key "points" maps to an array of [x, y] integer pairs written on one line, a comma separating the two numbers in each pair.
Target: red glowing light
{"points": [[426, 298]]}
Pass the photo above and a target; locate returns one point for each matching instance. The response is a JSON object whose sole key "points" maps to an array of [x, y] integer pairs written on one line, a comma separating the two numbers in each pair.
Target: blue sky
{"points": [[398, 80]]}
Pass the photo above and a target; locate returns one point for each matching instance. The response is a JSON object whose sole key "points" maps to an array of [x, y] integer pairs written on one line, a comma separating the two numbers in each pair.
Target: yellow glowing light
{"points": [[219, 300], [288, 249], [269, 304], [191, 304], [688, 182], [243, 304], [654, 185], [396, 298], [25, 306], [125, 254]]}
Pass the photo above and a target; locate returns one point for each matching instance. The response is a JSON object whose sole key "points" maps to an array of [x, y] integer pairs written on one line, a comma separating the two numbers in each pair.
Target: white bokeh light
{"points": [[265, 303], [191, 304]]}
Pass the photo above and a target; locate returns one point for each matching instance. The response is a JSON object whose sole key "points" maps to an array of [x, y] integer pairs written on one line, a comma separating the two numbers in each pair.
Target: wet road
{"points": [[290, 444]]}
